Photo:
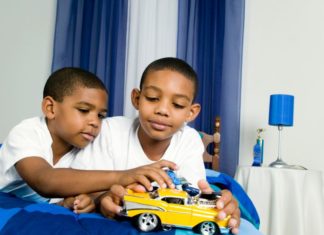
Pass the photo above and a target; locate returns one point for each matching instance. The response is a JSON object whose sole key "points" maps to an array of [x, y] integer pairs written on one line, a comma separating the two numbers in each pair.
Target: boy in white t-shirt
{"points": [[120, 141], [165, 103], [36, 155]]}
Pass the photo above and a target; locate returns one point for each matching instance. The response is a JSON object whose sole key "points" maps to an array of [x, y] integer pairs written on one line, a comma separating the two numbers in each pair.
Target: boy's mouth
{"points": [[159, 125], [88, 136]]}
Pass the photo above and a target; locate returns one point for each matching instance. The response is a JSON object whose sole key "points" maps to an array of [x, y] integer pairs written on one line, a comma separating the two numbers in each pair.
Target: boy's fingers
{"points": [[144, 181], [83, 203], [204, 186], [160, 177], [234, 222], [118, 190], [76, 202], [227, 204], [235, 231], [108, 207], [89, 208], [165, 163], [146, 175], [137, 187]]}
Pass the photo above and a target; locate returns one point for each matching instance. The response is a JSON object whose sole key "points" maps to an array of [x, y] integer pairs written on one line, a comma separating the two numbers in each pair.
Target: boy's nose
{"points": [[162, 108], [95, 121]]}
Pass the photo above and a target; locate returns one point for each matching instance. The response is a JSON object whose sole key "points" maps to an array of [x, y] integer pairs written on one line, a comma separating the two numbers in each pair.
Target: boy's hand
{"points": [[109, 203], [146, 174], [82, 203], [227, 204]]}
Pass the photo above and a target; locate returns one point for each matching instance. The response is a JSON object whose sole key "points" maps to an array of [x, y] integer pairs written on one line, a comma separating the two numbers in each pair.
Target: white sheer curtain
{"points": [[152, 34]]}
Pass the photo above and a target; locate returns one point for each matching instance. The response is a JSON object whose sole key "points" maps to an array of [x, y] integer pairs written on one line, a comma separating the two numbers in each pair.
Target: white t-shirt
{"points": [[118, 148], [31, 137]]}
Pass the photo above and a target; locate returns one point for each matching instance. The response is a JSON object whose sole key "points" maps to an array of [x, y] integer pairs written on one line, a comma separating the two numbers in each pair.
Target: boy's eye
{"points": [[149, 98], [82, 110], [178, 106], [102, 115]]}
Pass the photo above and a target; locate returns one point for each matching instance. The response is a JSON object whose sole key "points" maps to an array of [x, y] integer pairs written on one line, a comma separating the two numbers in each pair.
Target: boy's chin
{"points": [[160, 137], [81, 145]]}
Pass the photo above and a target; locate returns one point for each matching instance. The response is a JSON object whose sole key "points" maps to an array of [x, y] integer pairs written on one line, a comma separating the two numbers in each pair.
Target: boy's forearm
{"points": [[63, 182], [70, 182]]}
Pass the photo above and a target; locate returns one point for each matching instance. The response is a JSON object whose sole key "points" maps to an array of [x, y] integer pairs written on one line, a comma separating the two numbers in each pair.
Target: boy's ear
{"points": [[48, 107], [135, 97], [194, 111]]}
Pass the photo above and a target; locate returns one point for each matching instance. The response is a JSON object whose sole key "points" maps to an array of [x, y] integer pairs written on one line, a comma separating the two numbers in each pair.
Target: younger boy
{"points": [[165, 103], [35, 157]]}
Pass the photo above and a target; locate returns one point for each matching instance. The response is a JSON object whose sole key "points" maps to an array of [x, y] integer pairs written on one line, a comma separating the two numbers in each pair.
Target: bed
{"points": [[22, 217]]}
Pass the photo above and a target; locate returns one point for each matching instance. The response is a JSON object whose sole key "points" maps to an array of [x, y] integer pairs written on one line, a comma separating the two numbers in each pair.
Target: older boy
{"points": [[35, 156], [165, 103]]}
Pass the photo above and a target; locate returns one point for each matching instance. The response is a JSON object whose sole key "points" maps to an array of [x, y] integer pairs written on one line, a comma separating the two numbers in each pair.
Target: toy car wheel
{"points": [[208, 228], [147, 222]]}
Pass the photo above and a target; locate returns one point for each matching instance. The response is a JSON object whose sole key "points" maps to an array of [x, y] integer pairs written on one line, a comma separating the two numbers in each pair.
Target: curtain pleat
{"points": [[152, 34], [230, 106], [210, 39], [92, 35]]}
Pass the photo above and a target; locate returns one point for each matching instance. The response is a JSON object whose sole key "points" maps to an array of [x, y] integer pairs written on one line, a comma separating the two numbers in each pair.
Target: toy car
{"points": [[167, 208]]}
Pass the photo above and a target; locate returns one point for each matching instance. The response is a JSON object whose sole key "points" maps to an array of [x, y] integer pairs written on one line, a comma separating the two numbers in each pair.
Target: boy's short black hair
{"points": [[173, 64], [62, 82]]}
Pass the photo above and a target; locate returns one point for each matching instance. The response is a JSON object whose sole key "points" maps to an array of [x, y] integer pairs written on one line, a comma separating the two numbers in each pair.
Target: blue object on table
{"points": [[281, 111], [258, 152]]}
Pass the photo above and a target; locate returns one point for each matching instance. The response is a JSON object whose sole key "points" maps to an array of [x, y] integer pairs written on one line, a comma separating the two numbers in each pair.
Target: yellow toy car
{"points": [[166, 208]]}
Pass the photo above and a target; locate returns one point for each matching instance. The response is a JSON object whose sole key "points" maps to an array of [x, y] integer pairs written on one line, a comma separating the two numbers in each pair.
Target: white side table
{"points": [[289, 202]]}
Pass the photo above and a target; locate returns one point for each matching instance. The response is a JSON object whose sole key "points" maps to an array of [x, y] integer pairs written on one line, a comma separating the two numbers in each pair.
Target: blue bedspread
{"points": [[24, 218]]}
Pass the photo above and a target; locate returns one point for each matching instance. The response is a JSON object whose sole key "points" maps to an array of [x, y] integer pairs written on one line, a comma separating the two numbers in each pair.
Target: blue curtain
{"points": [[91, 34], [210, 38]]}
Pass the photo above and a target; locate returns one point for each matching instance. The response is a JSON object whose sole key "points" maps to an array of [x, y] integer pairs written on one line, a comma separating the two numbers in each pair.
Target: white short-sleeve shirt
{"points": [[29, 138], [118, 148]]}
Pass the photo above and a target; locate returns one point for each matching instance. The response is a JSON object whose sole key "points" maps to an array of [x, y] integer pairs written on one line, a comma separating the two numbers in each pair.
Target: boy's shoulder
{"points": [[120, 123], [187, 135], [119, 119], [29, 124], [29, 130], [188, 130]]}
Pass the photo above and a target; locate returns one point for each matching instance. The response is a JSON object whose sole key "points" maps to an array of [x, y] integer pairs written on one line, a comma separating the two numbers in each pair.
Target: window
{"points": [[173, 200]]}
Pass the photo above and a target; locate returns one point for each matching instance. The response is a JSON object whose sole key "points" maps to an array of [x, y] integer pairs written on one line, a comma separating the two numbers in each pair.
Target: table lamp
{"points": [[281, 113]]}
